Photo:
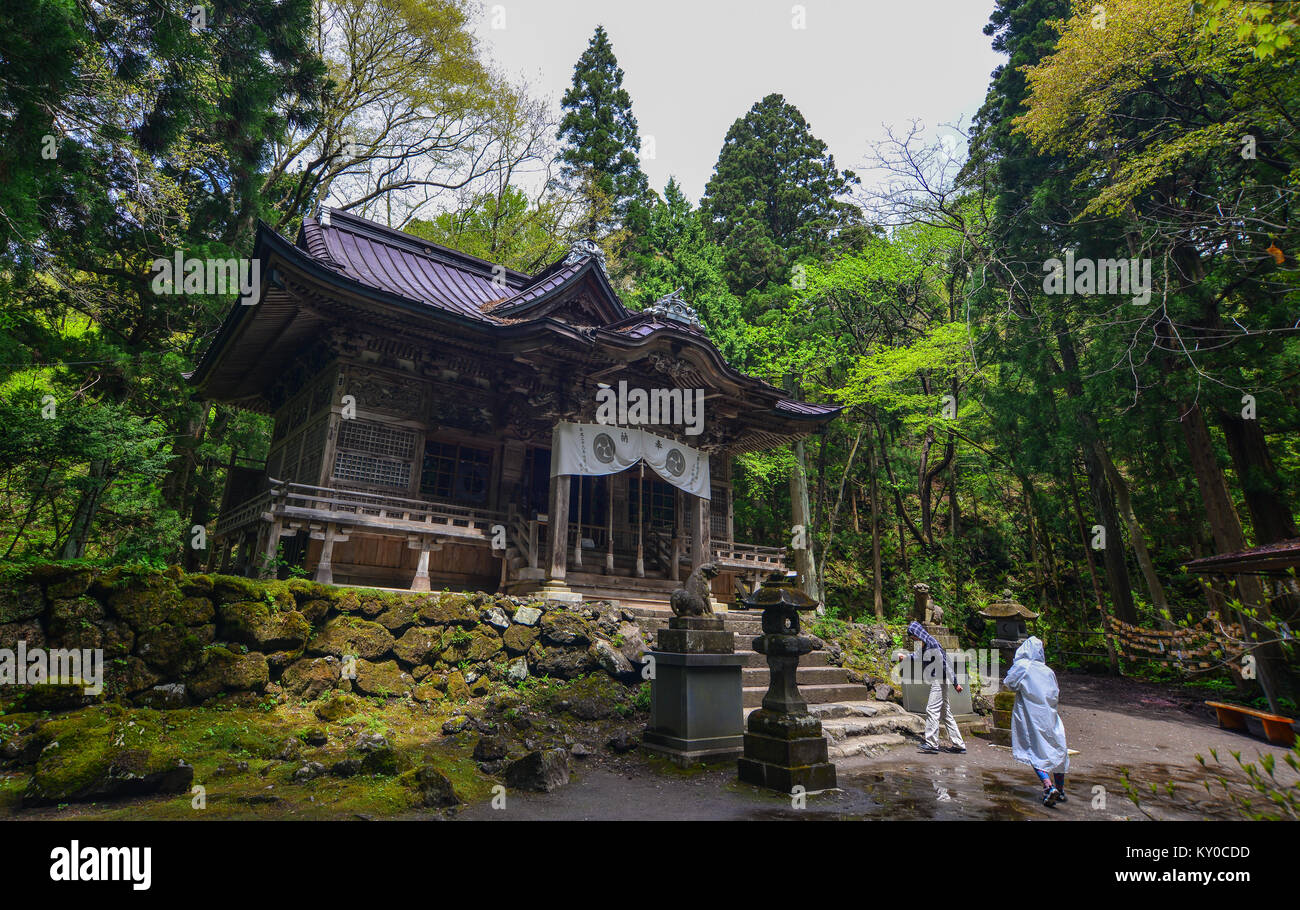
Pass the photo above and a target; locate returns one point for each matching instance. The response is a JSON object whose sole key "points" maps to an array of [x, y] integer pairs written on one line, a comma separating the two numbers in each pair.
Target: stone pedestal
{"points": [[696, 698], [1000, 732], [916, 690]]}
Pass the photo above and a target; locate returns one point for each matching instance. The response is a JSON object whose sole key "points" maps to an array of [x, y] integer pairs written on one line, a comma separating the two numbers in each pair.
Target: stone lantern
{"points": [[1009, 635], [1010, 618], [784, 746]]}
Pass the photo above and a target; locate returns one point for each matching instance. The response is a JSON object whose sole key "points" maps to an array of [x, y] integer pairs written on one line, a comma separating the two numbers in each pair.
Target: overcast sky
{"points": [[693, 66]]}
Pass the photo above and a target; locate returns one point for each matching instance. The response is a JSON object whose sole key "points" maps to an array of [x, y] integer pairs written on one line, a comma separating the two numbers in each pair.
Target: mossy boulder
{"points": [[449, 610], [195, 611], [20, 601], [173, 649], [305, 591], [198, 585], [131, 675], [309, 677], [382, 679], [68, 583], [476, 646], [223, 670], [432, 688], [264, 626], [417, 645], [315, 610], [561, 663], [98, 754], [63, 696], [366, 603], [29, 631], [336, 706], [233, 588], [147, 602], [351, 635], [430, 788], [560, 627], [457, 688], [399, 615], [518, 639]]}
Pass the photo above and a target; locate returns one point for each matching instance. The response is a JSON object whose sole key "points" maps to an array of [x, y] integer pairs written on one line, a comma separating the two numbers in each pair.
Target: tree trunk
{"points": [[804, 561], [1225, 527], [1117, 578], [877, 584], [1263, 490], [83, 518], [1135, 535]]}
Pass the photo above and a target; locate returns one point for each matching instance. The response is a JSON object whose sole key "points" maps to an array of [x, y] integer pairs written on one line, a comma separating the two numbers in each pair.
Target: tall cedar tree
{"points": [[600, 157], [773, 195]]}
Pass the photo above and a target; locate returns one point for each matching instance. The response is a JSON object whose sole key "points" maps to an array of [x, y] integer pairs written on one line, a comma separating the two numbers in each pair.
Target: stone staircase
{"points": [[854, 722]]}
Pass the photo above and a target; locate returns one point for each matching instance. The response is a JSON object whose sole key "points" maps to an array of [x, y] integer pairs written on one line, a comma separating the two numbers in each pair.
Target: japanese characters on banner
{"points": [[592, 450]]}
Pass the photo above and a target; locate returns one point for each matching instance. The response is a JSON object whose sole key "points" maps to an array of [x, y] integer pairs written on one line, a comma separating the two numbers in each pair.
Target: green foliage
{"points": [[774, 195], [601, 138]]}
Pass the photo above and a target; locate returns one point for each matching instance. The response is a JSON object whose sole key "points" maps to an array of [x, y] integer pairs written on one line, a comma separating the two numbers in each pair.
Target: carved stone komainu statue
{"points": [[693, 598], [924, 609]]}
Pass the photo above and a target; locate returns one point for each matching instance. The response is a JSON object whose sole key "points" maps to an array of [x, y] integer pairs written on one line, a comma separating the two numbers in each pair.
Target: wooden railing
{"points": [[248, 512], [749, 556], [304, 502], [726, 553]]}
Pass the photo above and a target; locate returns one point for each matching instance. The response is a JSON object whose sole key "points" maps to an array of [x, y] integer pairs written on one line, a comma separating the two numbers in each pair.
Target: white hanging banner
{"points": [[593, 450], [678, 464]]}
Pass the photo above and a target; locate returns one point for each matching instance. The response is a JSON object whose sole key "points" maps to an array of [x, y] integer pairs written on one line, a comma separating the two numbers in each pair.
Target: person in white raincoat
{"points": [[1037, 734]]}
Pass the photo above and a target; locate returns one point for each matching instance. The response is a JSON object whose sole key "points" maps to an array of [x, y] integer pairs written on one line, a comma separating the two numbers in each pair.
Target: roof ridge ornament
{"points": [[672, 306], [586, 249]]}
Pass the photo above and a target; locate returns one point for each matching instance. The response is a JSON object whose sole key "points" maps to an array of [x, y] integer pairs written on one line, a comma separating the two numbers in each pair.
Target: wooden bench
{"points": [[1278, 729]]}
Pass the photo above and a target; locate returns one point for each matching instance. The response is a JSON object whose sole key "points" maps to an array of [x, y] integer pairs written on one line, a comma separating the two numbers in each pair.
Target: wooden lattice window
{"points": [[455, 472], [660, 499]]}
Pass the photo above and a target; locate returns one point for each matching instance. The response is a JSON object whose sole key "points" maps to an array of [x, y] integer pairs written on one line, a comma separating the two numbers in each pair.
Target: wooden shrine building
{"points": [[417, 393]]}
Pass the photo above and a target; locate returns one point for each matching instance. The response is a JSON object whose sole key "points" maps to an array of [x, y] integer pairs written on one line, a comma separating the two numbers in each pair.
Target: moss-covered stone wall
{"points": [[172, 639]]}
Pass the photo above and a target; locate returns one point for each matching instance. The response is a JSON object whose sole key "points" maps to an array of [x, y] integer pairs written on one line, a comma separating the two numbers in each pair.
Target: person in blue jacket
{"points": [[1037, 734]]}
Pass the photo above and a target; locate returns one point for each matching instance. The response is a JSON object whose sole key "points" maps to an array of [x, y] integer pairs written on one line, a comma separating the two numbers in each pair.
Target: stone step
{"points": [[812, 659], [753, 677], [865, 746], [844, 728], [814, 694], [847, 709], [865, 728]]}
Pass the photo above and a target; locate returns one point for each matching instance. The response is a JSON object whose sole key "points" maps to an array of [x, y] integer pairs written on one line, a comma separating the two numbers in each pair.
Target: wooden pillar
{"points": [[701, 543], [577, 541], [421, 580], [558, 520], [324, 571], [679, 524], [609, 524], [640, 525], [267, 568]]}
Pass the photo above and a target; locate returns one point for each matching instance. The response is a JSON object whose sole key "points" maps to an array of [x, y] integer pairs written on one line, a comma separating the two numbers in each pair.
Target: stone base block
{"points": [[778, 777], [559, 593], [696, 707], [687, 752]]}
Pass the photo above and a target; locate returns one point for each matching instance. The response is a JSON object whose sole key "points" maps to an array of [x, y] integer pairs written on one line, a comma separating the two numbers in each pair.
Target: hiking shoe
{"points": [[928, 750], [957, 750], [1060, 796], [1051, 797]]}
